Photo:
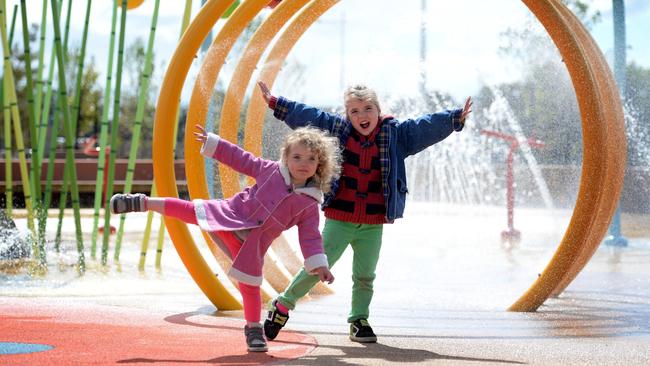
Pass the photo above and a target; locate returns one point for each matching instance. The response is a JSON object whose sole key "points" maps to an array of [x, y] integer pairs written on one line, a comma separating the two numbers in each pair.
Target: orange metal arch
{"points": [[603, 138]]}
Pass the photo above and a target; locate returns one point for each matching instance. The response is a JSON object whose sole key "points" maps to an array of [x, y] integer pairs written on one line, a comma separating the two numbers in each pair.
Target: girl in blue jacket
{"points": [[370, 192]]}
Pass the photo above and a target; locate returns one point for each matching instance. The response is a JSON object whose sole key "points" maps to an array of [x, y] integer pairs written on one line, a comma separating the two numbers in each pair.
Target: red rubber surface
{"points": [[86, 333]]}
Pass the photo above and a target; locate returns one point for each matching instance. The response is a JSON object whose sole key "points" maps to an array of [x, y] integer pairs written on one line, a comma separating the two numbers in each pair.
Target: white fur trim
{"points": [[210, 145], [201, 217], [315, 261], [313, 192], [245, 278], [284, 170]]}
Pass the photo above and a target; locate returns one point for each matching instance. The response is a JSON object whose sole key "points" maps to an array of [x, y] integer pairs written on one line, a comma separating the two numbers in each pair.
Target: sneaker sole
{"points": [[258, 349], [364, 340]]}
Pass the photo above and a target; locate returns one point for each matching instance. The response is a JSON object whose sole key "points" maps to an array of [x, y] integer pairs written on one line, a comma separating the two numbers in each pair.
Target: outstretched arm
{"points": [[296, 114], [415, 135], [228, 153]]}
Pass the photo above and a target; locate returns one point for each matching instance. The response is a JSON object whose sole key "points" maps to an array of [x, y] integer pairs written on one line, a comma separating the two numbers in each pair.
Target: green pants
{"points": [[365, 241]]}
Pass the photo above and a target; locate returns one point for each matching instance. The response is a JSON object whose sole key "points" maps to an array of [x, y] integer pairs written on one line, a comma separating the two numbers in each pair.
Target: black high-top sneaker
{"points": [[122, 203], [360, 331], [255, 339], [274, 322]]}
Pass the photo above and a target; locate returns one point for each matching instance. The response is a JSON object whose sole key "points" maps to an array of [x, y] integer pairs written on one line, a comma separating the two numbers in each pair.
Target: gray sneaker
{"points": [[255, 339], [122, 203]]}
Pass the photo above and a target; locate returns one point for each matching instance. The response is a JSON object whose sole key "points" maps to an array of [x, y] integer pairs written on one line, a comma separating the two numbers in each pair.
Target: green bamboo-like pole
{"points": [[41, 66], [114, 134], [161, 229], [35, 164], [41, 212], [45, 115], [69, 137], [9, 195], [14, 15], [146, 237], [54, 133], [42, 130], [15, 116], [74, 116], [66, 174], [137, 125], [103, 137], [44, 208], [7, 133], [63, 193]]}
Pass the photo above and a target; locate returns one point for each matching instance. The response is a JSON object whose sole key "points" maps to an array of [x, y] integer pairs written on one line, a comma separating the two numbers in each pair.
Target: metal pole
{"points": [[618, 9], [423, 47]]}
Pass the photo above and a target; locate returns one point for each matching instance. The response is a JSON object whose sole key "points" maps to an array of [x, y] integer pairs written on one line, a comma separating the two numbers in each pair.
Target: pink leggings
{"points": [[184, 211]]}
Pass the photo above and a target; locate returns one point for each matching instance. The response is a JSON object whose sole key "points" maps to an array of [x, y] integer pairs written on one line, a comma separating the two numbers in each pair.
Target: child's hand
{"points": [[266, 92], [324, 274], [466, 110], [201, 135]]}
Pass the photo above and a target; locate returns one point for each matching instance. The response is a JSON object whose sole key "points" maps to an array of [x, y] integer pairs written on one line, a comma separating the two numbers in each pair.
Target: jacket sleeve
{"points": [[311, 241], [415, 135], [232, 155], [296, 114]]}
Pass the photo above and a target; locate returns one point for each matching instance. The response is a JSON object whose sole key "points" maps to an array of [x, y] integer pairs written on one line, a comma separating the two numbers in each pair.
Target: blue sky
{"points": [[380, 43]]}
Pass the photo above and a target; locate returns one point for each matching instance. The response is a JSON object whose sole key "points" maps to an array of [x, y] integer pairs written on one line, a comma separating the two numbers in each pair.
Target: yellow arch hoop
{"points": [[604, 151], [603, 138], [132, 4]]}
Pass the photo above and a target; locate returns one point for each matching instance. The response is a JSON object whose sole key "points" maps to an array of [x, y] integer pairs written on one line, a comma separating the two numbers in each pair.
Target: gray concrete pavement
{"points": [[443, 284]]}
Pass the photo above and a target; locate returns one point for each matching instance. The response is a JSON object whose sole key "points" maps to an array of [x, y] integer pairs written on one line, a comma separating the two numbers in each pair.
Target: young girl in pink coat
{"points": [[287, 193]]}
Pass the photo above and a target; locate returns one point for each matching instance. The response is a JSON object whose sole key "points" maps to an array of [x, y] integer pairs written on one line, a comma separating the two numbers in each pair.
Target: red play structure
{"points": [[511, 234]]}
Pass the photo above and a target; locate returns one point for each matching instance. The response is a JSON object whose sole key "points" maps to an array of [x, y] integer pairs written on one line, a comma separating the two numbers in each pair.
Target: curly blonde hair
{"points": [[326, 149]]}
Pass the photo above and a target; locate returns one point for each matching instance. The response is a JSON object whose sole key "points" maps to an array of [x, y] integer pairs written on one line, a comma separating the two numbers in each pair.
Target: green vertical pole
{"points": [[69, 137], [9, 196], [35, 164], [114, 132], [41, 54], [103, 137], [15, 114], [137, 125], [161, 231]]}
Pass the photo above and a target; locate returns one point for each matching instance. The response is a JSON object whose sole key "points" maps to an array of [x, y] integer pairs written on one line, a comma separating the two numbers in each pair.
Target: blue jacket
{"points": [[396, 141]]}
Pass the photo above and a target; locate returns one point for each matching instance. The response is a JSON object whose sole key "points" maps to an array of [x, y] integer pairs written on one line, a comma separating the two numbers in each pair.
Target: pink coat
{"points": [[267, 208]]}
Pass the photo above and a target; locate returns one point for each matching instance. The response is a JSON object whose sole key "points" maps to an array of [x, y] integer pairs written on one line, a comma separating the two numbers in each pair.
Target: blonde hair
{"points": [[326, 149], [361, 92]]}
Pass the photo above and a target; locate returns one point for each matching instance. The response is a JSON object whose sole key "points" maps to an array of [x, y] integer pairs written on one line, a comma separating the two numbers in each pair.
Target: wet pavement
{"points": [[443, 285]]}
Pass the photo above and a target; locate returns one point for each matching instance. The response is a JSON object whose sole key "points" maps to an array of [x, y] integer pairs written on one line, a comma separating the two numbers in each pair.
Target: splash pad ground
{"points": [[443, 284]]}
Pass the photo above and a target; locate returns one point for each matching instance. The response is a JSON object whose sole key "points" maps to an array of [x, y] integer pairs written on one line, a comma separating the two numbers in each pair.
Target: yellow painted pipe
{"points": [[272, 65], [198, 108], [232, 104], [163, 152], [603, 138], [604, 147], [257, 108], [612, 104]]}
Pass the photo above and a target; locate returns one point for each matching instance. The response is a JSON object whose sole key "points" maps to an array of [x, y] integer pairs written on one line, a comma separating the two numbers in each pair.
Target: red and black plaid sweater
{"points": [[359, 198]]}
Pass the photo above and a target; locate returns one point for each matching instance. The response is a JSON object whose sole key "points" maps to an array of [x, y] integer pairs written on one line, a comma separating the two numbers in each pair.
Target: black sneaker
{"points": [[122, 203], [274, 322], [360, 331], [255, 339]]}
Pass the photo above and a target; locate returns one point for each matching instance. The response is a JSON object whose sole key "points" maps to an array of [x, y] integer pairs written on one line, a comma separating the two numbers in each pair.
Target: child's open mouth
{"points": [[365, 125]]}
